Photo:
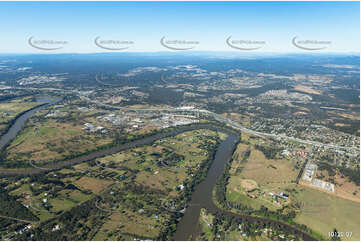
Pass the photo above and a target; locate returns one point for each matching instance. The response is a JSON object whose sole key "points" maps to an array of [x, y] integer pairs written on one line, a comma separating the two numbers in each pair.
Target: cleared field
{"points": [[248, 184], [323, 213], [128, 222], [253, 179], [320, 211], [244, 119], [61, 204], [307, 89], [235, 193], [343, 187], [264, 171], [93, 184], [47, 140]]}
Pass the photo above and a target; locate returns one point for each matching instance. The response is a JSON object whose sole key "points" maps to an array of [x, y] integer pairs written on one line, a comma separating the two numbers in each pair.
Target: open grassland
{"points": [[93, 184], [46, 139], [307, 89], [52, 140], [253, 178], [343, 187], [266, 172], [260, 169], [128, 222], [323, 213]]}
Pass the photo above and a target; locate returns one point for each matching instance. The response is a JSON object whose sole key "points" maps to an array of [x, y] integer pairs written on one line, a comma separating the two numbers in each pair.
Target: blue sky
{"points": [[209, 23]]}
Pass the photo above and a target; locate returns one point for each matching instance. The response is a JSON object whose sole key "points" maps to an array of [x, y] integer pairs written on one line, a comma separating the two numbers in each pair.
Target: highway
{"points": [[341, 149], [233, 124]]}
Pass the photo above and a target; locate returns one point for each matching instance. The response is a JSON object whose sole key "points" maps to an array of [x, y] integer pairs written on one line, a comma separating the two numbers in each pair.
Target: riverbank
{"points": [[202, 195], [107, 151], [17, 124]]}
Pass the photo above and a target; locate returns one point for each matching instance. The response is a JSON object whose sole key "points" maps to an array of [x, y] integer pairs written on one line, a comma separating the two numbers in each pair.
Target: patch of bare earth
{"points": [[306, 89]]}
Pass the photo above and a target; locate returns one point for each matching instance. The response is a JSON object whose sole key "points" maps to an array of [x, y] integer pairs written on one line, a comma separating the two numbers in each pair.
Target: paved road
{"points": [[341, 149], [232, 124], [20, 220]]}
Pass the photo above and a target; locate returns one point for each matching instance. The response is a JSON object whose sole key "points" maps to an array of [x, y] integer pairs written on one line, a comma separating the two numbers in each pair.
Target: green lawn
{"points": [[61, 204]]}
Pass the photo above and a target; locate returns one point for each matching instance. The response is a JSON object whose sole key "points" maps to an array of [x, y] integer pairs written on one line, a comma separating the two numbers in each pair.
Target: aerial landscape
{"points": [[178, 142]]}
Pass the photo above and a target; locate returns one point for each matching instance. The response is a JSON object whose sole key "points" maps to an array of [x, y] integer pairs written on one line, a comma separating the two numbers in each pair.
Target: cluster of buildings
{"points": [[279, 198], [302, 128], [38, 79], [310, 171], [282, 195], [309, 174], [274, 235], [170, 120], [56, 114], [131, 123], [4, 87], [114, 119], [332, 155], [323, 185], [24, 229], [94, 129], [133, 120], [83, 109], [137, 120]]}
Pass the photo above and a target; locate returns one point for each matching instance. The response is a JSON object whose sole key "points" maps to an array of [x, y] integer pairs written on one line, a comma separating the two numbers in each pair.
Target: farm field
{"points": [[131, 194], [320, 211], [324, 212], [47, 138], [36, 142], [343, 187], [248, 183]]}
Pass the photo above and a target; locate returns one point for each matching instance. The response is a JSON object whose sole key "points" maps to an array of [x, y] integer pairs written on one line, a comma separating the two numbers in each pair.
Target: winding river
{"points": [[202, 196], [20, 121]]}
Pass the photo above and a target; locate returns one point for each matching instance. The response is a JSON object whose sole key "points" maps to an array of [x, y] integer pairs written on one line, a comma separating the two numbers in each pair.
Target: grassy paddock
{"points": [[323, 212]]}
